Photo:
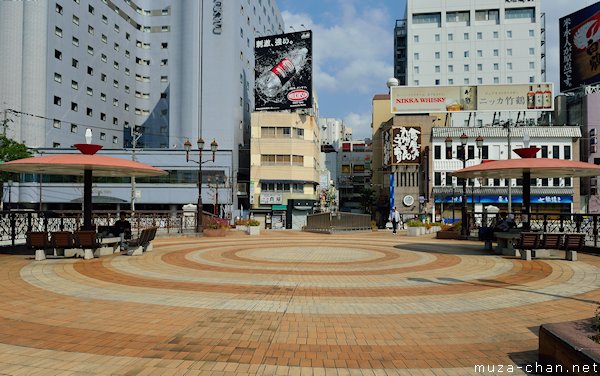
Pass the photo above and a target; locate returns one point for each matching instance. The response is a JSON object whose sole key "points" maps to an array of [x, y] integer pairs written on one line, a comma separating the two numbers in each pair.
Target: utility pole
{"points": [[135, 136]]}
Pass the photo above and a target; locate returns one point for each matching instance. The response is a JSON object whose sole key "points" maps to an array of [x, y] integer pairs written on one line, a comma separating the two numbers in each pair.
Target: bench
{"points": [[38, 241], [107, 245], [87, 241], [528, 243], [142, 243], [573, 243], [63, 244], [505, 243]]}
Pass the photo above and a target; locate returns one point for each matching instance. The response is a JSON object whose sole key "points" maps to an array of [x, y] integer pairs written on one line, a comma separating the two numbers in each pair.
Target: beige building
{"points": [[285, 167]]}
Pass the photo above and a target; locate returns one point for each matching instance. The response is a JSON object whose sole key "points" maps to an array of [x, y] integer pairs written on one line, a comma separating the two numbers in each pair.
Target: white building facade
{"points": [[163, 70]]}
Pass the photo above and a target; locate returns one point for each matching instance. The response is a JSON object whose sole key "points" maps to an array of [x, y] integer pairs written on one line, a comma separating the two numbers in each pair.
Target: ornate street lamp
{"points": [[187, 146], [464, 232]]}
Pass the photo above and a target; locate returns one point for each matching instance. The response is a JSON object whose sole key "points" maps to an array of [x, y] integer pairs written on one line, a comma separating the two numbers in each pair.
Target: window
{"points": [[544, 151], [487, 15], [450, 36], [466, 67], [57, 54], [90, 71], [164, 62], [56, 123], [102, 136], [116, 83], [463, 17], [556, 152], [102, 116], [485, 152], [450, 81], [466, 54], [75, 41], [165, 28], [103, 58], [466, 82], [496, 66], [75, 63], [115, 140], [496, 52], [103, 97], [531, 51], [416, 56], [496, 80], [76, 20], [495, 34], [116, 65], [531, 65], [450, 54], [56, 144], [509, 33], [427, 18], [509, 80], [437, 178], [57, 100], [90, 30], [115, 121], [89, 112], [416, 38], [509, 66], [74, 85], [104, 19], [437, 152], [91, 9], [416, 69], [74, 107], [89, 91], [450, 68], [568, 182], [466, 36], [520, 13], [103, 77], [479, 35], [58, 8], [480, 82], [90, 50], [531, 33], [164, 45], [117, 28], [437, 69], [57, 77], [567, 151], [509, 51], [479, 67], [479, 53], [437, 37], [58, 31], [437, 54]]}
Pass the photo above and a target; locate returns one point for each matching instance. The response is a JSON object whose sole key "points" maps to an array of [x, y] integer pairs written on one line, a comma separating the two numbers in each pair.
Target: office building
{"points": [[157, 72]]}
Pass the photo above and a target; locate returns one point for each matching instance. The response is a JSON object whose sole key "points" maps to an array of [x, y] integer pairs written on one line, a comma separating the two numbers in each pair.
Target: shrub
{"points": [[414, 223], [253, 222], [241, 222], [216, 223]]}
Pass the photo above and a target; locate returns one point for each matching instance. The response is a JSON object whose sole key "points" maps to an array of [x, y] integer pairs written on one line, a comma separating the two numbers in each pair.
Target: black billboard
{"points": [[580, 48], [283, 71]]}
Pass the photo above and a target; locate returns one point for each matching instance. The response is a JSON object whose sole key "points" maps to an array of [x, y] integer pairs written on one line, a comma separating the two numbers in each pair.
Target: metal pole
{"points": [[134, 138], [199, 208], [509, 180], [465, 222], [87, 200]]}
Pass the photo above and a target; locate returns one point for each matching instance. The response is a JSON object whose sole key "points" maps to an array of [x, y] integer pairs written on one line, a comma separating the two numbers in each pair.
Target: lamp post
{"points": [[187, 145], [464, 232]]}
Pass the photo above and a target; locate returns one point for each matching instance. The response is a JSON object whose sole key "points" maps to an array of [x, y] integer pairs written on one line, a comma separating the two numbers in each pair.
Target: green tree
{"points": [[9, 151], [367, 198]]}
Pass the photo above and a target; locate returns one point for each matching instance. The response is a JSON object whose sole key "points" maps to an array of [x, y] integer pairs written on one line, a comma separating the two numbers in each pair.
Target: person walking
{"points": [[394, 218]]}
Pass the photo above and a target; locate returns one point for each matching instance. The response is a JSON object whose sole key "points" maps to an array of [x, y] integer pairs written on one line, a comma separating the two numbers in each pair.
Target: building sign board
{"points": [[402, 145], [580, 48], [510, 97], [502, 199], [283, 71], [271, 198]]}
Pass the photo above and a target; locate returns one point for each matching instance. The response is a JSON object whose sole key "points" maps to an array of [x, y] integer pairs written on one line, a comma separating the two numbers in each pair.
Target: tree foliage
{"points": [[367, 198], [9, 151]]}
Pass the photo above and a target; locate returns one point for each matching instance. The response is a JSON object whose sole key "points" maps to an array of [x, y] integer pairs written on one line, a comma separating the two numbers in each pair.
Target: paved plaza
{"points": [[286, 303]]}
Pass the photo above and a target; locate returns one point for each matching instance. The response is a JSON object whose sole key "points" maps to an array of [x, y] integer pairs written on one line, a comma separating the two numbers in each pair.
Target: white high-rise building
{"points": [[168, 69]]}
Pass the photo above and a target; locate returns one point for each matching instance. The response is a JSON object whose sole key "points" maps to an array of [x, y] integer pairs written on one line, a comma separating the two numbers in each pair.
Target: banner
{"points": [[510, 97], [404, 146], [283, 71], [579, 48]]}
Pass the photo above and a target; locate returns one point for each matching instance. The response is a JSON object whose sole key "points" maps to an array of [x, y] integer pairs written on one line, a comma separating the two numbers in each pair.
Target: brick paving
{"points": [[286, 303]]}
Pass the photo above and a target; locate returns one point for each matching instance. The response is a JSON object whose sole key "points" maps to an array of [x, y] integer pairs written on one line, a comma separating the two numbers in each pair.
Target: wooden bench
{"points": [[88, 242], [63, 244], [573, 243], [143, 243], [38, 241], [527, 243]]}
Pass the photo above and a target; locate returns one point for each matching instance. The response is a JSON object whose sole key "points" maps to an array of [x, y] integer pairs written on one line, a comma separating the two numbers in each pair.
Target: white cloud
{"points": [[360, 124], [352, 53]]}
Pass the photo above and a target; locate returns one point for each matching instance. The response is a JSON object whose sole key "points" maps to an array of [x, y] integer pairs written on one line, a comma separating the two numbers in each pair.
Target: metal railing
{"points": [[15, 224], [337, 222]]}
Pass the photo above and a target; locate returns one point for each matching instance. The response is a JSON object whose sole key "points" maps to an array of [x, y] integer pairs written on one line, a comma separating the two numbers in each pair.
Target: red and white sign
{"points": [[297, 95]]}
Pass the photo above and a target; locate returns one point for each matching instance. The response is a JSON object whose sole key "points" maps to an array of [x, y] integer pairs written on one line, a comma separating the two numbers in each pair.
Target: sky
{"points": [[353, 50]]}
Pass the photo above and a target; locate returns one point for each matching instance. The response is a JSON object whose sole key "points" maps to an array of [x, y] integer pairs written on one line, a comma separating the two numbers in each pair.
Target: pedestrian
{"points": [[122, 228], [394, 218]]}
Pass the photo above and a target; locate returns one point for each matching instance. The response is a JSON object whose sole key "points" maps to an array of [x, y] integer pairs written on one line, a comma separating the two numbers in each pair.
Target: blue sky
{"points": [[353, 46]]}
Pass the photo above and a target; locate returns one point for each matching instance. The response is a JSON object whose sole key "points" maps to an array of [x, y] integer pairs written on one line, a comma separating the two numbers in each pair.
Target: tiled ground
{"points": [[286, 303]]}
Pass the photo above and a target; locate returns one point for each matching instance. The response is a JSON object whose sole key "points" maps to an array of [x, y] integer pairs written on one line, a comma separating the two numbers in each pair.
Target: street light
{"points": [[464, 232], [187, 146]]}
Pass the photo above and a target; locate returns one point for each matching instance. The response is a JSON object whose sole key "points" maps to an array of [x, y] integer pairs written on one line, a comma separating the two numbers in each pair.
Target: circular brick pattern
{"points": [[286, 303]]}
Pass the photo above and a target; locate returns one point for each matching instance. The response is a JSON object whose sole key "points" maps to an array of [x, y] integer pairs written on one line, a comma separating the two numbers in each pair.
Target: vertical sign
{"points": [[283, 71], [406, 145], [392, 203]]}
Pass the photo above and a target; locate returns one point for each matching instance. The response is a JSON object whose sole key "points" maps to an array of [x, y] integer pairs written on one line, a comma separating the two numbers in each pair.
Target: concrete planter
{"points": [[414, 231], [253, 230], [447, 235], [568, 344], [241, 228], [215, 232]]}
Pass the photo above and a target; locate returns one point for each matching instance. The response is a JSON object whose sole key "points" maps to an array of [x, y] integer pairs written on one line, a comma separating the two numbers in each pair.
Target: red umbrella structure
{"points": [[87, 164], [529, 167]]}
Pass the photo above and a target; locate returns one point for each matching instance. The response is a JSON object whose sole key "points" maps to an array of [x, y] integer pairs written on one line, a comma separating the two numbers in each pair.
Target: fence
{"points": [[14, 225], [337, 222]]}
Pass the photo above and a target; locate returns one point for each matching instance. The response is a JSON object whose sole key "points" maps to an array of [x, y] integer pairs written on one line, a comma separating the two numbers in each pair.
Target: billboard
{"points": [[509, 97], [402, 145], [580, 48], [283, 71]]}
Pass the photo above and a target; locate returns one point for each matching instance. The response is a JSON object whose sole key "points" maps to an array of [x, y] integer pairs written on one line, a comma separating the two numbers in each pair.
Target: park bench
{"points": [[38, 241], [88, 242], [143, 243], [573, 243], [527, 243], [62, 242]]}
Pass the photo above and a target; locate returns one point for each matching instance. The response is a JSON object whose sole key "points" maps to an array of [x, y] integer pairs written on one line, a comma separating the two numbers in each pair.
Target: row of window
{"points": [[483, 15], [546, 152], [282, 159], [480, 81], [281, 132], [209, 177], [478, 35], [466, 54], [440, 179], [467, 67], [282, 187]]}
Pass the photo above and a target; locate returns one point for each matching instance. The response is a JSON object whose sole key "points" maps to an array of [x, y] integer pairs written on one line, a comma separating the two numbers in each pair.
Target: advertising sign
{"points": [[404, 145], [283, 71], [510, 97], [580, 48], [516, 199]]}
